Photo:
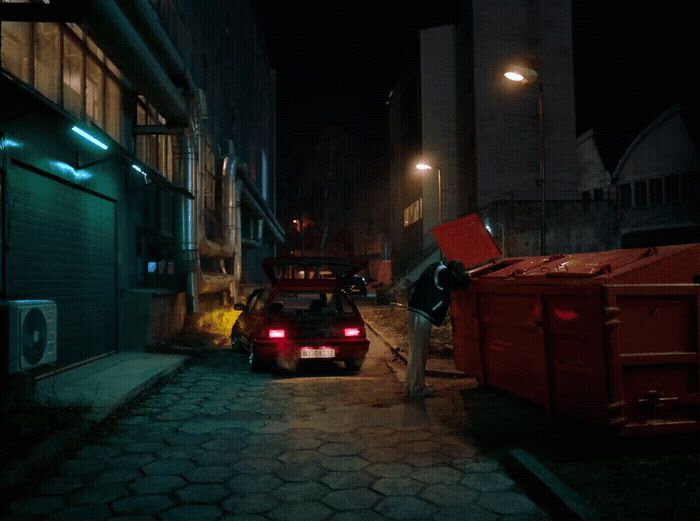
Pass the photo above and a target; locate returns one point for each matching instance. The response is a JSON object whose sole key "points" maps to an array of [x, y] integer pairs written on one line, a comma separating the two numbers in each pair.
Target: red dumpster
{"points": [[608, 337]]}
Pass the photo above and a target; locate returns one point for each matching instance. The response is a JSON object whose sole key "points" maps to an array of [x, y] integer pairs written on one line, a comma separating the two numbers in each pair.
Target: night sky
{"points": [[337, 61]]}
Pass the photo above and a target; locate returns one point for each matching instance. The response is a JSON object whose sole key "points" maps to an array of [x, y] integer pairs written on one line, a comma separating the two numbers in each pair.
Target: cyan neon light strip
{"points": [[90, 138]]}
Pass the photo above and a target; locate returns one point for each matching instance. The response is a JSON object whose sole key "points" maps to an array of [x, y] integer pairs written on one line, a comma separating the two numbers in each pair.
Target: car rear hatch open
{"points": [[322, 273]]}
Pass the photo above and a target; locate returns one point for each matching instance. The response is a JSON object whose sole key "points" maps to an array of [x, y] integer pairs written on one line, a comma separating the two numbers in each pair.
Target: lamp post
{"points": [[422, 167], [525, 76], [300, 230]]}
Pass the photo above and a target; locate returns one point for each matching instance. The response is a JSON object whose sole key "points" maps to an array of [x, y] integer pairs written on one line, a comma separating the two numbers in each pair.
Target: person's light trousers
{"points": [[419, 331]]}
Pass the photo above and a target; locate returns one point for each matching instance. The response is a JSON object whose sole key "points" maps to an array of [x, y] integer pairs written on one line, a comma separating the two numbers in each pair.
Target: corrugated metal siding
{"points": [[62, 247]]}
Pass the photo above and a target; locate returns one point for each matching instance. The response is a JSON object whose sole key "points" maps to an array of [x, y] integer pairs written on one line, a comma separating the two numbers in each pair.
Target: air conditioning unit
{"points": [[30, 333]]}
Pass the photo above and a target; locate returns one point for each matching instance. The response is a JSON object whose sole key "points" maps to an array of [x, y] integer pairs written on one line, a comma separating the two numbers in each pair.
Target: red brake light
{"points": [[565, 314], [276, 333], [352, 331]]}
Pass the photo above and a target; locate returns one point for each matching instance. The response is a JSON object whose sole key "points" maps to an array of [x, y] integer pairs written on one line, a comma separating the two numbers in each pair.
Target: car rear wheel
{"points": [[236, 341], [256, 364], [354, 364]]}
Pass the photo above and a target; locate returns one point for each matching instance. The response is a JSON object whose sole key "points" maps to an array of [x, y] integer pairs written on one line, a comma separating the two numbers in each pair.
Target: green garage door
{"points": [[61, 247]]}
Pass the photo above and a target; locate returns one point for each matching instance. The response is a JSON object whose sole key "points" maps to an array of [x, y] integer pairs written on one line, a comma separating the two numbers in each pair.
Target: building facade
{"points": [[138, 164]]}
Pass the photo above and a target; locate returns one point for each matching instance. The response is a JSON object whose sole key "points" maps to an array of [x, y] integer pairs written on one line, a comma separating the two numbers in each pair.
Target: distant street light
{"points": [[422, 167], [525, 76], [299, 224]]}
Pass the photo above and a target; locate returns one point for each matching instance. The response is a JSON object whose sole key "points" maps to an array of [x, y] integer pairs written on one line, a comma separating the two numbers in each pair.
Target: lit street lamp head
{"points": [[520, 74], [423, 166]]}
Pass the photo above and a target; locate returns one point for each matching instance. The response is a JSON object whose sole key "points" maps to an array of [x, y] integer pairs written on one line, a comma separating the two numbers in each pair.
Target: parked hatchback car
{"points": [[305, 314]]}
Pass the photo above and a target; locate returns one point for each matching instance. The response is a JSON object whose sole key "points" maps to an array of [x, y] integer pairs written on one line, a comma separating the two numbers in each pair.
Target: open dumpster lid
{"points": [[466, 239]]}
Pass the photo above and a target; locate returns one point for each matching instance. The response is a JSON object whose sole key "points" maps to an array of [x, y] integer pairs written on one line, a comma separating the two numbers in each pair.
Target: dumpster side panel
{"points": [[655, 355], [465, 334], [578, 359], [512, 340]]}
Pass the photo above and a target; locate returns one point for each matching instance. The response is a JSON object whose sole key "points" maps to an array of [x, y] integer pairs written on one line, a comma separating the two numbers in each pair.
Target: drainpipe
{"points": [[186, 228], [231, 219]]}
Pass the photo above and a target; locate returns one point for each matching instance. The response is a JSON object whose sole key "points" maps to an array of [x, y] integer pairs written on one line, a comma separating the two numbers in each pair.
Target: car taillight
{"points": [[276, 333], [352, 331]]}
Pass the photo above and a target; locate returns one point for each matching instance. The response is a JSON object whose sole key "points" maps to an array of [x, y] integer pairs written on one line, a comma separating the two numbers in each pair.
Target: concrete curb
{"points": [[397, 353], [14, 477], [544, 486]]}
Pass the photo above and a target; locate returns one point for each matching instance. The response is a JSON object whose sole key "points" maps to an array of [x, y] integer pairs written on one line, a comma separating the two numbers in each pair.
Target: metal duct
{"points": [[112, 30], [147, 22], [186, 229]]}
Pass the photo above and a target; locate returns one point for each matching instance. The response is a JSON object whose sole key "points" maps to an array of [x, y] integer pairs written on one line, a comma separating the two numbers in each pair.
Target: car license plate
{"points": [[317, 352]]}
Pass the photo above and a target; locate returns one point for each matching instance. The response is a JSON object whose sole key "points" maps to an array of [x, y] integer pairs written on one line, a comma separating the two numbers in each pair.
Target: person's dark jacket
{"points": [[431, 294]]}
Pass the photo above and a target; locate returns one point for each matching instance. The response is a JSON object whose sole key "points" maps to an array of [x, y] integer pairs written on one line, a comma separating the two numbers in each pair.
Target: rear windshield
{"points": [[304, 303]]}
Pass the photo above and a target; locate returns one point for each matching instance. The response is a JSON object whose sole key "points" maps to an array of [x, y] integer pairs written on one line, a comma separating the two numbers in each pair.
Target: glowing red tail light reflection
{"points": [[352, 331], [276, 333]]}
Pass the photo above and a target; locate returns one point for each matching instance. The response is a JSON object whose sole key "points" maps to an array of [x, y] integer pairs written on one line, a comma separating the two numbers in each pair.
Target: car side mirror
{"points": [[239, 307]]}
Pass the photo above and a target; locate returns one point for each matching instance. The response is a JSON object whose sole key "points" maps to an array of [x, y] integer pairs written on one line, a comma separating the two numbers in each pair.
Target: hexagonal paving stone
{"points": [[256, 503], [302, 443], [343, 480], [304, 511], [209, 493], [479, 465], [506, 503], [344, 463], [417, 447], [304, 491], [438, 474], [390, 470], [412, 435], [129, 461], [384, 454], [116, 476], [247, 465], [355, 515], [217, 458], [37, 505], [426, 460], [179, 439], [405, 507], [91, 512], [465, 513], [141, 504], [157, 484], [146, 446], [213, 474], [83, 466], [488, 481], [59, 485], [340, 449], [192, 512], [262, 450], [168, 467], [449, 495], [302, 456], [351, 499], [398, 486], [298, 472], [247, 483], [97, 494]]}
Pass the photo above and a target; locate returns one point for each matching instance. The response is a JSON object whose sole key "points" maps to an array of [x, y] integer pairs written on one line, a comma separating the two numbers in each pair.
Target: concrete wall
{"points": [[536, 34]]}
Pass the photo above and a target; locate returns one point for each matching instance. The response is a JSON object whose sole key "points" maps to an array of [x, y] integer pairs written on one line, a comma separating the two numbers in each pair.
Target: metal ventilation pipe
{"points": [[232, 218], [186, 226]]}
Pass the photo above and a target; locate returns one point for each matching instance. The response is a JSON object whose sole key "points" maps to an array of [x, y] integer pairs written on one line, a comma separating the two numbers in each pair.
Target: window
{"points": [[94, 88], [72, 76], [656, 191], [113, 109], [624, 193], [16, 48], [640, 194], [671, 189], [47, 60]]}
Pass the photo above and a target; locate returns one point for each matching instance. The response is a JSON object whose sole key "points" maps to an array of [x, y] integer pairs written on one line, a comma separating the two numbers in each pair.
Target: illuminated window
{"points": [[47, 60], [72, 76], [94, 88], [16, 48], [113, 109]]}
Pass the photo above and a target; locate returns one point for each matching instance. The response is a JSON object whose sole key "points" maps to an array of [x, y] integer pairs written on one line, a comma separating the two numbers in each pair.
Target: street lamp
{"points": [[422, 167], [525, 76]]}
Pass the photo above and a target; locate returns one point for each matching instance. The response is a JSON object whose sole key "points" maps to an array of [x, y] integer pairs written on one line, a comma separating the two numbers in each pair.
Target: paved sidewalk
{"points": [[220, 442]]}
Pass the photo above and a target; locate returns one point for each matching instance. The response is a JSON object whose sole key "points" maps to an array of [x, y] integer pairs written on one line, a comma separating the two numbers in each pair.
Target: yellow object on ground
{"points": [[218, 322]]}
